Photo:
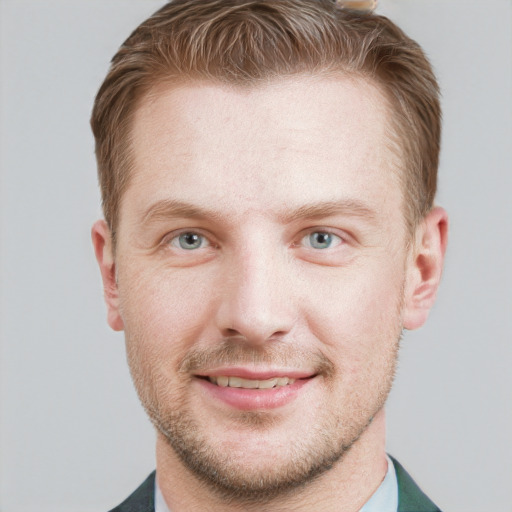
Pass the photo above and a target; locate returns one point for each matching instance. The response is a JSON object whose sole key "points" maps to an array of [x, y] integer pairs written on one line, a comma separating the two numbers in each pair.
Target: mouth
{"points": [[250, 390]]}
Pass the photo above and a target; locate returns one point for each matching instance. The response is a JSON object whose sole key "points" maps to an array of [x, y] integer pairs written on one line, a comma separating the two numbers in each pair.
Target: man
{"points": [[268, 171]]}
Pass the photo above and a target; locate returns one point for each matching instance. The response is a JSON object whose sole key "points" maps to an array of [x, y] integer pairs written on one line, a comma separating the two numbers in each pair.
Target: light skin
{"points": [[262, 236]]}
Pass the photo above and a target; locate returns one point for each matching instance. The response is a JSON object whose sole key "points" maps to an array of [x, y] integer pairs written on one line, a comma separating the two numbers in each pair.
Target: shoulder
{"points": [[410, 497], [142, 499]]}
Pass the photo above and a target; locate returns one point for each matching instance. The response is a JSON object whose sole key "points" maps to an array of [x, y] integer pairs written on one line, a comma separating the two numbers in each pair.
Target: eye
{"points": [[189, 241], [321, 240]]}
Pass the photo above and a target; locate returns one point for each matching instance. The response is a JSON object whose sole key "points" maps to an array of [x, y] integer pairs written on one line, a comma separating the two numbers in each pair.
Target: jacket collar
{"points": [[410, 497]]}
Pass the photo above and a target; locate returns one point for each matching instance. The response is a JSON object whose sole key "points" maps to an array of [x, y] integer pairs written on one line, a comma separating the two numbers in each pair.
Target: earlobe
{"points": [[425, 267], [102, 242]]}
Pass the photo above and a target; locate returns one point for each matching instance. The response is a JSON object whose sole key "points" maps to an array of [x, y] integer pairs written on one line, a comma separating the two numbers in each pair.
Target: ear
{"points": [[425, 267], [102, 242]]}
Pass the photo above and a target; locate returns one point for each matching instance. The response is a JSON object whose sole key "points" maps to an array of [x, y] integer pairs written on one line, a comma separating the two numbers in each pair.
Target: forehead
{"points": [[289, 142]]}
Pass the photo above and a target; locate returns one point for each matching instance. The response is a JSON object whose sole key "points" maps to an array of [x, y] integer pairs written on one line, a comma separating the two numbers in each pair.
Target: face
{"points": [[261, 264]]}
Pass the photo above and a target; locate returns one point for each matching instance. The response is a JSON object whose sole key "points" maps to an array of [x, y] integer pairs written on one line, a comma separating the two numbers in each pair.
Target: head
{"points": [[268, 171]]}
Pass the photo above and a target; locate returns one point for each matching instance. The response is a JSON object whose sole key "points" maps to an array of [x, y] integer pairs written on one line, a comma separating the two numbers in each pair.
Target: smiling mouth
{"points": [[249, 390], [238, 382]]}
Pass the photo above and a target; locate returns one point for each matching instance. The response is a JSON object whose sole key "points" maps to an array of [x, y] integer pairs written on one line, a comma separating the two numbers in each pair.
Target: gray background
{"points": [[72, 434]]}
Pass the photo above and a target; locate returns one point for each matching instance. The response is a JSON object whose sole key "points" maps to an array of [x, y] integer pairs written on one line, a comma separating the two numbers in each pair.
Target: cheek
{"points": [[165, 310], [358, 322], [358, 314], [164, 314]]}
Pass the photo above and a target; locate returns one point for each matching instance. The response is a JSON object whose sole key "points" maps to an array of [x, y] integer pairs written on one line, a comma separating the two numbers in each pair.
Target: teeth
{"points": [[223, 381], [268, 384], [238, 382], [235, 382]]}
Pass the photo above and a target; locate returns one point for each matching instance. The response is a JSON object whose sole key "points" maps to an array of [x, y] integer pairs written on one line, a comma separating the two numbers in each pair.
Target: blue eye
{"points": [[189, 241], [322, 240]]}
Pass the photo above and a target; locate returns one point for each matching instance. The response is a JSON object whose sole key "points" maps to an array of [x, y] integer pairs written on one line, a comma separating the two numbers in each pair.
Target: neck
{"points": [[346, 486]]}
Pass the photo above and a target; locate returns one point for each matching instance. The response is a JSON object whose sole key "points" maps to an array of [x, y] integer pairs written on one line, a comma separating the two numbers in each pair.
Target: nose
{"points": [[257, 297]]}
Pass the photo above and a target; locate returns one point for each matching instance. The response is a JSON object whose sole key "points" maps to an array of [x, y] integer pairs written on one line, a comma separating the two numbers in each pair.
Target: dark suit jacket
{"points": [[410, 496]]}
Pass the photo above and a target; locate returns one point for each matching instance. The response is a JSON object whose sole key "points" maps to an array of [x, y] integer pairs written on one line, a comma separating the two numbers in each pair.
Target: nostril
{"points": [[231, 333]]}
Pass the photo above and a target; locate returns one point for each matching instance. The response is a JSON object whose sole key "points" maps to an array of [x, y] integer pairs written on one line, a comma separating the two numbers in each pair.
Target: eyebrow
{"points": [[170, 208], [345, 207]]}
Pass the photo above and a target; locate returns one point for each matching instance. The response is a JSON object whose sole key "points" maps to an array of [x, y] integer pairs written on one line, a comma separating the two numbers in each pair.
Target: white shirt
{"points": [[384, 499]]}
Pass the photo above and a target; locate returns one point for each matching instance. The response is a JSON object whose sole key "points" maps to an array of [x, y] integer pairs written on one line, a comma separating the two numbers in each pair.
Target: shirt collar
{"points": [[160, 505], [385, 498]]}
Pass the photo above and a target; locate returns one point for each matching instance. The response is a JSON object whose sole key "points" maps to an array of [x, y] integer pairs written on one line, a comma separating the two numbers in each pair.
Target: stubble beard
{"points": [[237, 482], [233, 479]]}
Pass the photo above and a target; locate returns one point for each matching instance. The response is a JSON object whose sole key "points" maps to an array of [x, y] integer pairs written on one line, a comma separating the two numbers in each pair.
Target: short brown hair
{"points": [[244, 42]]}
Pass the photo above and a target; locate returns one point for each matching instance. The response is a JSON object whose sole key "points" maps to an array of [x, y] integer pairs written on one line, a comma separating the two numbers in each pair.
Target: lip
{"points": [[255, 399]]}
